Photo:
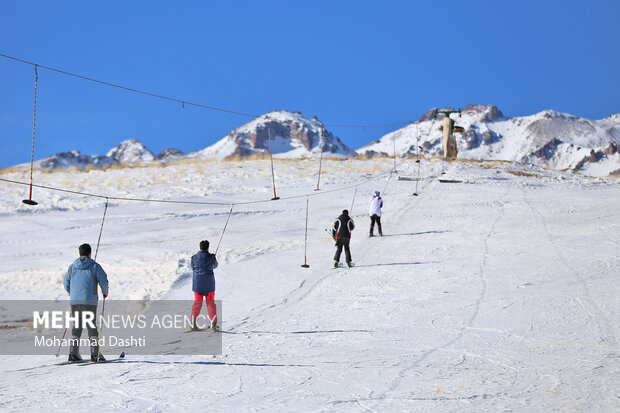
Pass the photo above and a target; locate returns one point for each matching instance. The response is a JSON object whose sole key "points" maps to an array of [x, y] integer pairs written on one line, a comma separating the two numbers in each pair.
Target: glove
{"points": [[105, 295]]}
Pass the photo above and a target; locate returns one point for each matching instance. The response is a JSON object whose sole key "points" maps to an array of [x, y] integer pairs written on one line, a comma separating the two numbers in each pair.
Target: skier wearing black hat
{"points": [[341, 232], [203, 285]]}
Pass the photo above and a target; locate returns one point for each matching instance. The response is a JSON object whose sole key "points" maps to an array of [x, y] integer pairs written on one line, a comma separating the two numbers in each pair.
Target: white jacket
{"points": [[376, 203]]}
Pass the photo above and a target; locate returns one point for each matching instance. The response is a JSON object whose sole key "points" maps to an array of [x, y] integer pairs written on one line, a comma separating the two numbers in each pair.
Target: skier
{"points": [[342, 234], [81, 284], [376, 203], [203, 264]]}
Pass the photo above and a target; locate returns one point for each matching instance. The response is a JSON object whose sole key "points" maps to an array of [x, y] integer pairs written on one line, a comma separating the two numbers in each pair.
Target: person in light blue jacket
{"points": [[81, 284]]}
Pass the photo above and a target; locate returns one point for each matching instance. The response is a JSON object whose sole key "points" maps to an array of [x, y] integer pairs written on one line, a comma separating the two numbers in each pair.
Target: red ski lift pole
{"points": [[29, 201]]}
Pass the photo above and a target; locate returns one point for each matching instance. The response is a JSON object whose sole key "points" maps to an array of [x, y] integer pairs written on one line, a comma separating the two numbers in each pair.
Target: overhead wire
{"points": [[170, 201], [129, 89], [183, 102]]}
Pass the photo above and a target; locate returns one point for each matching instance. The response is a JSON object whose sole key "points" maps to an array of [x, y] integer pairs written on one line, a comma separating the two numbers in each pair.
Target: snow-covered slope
{"points": [[292, 136], [495, 295], [552, 139], [129, 152]]}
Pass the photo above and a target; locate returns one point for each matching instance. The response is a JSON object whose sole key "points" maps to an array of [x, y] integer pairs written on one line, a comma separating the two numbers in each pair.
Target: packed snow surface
{"points": [[498, 293]]}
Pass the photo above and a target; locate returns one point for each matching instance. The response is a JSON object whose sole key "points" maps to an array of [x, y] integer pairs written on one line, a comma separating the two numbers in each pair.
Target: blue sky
{"points": [[347, 62]]}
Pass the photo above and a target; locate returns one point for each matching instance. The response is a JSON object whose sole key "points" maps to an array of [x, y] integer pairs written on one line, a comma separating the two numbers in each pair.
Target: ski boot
{"points": [[95, 354], [336, 264], [349, 264], [194, 326], [96, 358], [214, 326], [74, 350]]}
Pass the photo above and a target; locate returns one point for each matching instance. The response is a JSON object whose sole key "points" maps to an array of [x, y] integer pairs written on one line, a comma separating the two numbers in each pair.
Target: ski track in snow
{"points": [[498, 294]]}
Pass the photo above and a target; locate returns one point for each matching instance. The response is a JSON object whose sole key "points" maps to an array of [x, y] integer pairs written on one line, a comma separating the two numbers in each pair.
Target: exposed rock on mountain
{"points": [[552, 139], [292, 136]]}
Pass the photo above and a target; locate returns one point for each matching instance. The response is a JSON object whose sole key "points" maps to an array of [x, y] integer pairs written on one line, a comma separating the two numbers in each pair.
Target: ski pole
{"points": [[101, 330], [60, 345]]}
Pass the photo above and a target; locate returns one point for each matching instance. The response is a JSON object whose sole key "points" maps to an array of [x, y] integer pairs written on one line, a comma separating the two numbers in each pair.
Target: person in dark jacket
{"points": [[203, 284], [81, 284], [342, 234]]}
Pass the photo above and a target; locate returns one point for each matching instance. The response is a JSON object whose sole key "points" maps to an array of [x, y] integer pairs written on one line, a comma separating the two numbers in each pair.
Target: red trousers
{"points": [[211, 310]]}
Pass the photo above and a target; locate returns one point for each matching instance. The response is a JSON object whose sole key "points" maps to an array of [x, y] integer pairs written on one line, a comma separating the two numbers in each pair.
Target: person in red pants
{"points": [[203, 285]]}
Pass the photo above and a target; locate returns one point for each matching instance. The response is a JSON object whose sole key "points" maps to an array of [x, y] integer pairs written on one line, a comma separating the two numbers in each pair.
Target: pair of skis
{"points": [[87, 362], [196, 330]]}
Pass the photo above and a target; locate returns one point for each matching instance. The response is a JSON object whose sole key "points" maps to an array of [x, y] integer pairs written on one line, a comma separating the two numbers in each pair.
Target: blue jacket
{"points": [[203, 264], [80, 281]]}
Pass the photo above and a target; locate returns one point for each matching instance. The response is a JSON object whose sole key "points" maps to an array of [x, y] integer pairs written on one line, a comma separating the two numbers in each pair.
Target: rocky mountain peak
{"points": [[488, 113], [291, 133], [129, 152]]}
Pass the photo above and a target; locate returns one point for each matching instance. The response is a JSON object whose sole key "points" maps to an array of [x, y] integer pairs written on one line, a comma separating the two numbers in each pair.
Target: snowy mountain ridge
{"points": [[549, 138], [292, 136], [129, 152]]}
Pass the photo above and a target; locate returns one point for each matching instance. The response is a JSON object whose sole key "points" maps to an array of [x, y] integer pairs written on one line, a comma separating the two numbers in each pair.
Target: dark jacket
{"points": [[343, 227], [80, 281], [203, 264]]}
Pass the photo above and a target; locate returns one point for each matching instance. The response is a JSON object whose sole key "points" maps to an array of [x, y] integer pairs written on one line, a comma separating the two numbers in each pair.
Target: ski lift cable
{"points": [[183, 102], [129, 89], [105, 210], [34, 122], [387, 183], [353, 201], [224, 230], [305, 265], [170, 201], [273, 176]]}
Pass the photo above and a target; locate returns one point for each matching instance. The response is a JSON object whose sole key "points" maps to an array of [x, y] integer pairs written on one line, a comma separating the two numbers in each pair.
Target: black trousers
{"points": [[347, 252], [375, 218], [77, 310]]}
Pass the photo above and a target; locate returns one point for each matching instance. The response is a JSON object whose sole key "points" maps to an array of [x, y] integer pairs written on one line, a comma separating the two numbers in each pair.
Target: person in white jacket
{"points": [[376, 203]]}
